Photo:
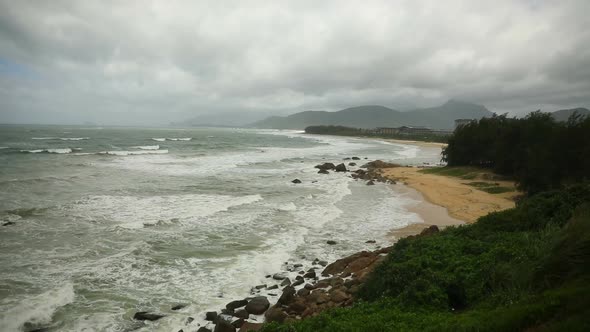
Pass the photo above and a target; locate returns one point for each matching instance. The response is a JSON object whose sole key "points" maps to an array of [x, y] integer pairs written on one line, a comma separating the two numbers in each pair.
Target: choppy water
{"points": [[109, 221]]}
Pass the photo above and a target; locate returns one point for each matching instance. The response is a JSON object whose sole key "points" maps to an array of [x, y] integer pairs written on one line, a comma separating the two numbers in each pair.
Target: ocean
{"points": [[100, 223]]}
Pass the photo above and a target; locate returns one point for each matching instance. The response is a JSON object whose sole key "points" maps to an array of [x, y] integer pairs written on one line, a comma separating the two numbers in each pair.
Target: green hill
{"points": [[563, 115], [371, 116]]}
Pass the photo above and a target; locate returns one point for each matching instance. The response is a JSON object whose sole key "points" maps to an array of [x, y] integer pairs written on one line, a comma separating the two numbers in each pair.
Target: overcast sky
{"points": [[152, 62]]}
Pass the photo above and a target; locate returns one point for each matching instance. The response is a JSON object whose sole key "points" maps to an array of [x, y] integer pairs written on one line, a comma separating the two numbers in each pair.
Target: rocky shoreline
{"points": [[300, 290]]}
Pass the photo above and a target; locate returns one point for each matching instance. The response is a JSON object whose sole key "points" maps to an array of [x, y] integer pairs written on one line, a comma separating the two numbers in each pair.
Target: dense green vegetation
{"points": [[526, 268], [538, 152], [348, 131]]}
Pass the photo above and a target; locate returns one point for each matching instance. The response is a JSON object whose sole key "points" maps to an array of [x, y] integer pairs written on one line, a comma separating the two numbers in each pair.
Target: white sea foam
{"points": [[132, 153], [136, 212], [43, 138], [4, 147], [37, 310], [58, 151], [147, 147], [74, 138], [159, 139], [180, 139]]}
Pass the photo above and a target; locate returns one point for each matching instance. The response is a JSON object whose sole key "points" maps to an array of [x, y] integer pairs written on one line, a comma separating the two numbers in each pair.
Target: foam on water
{"points": [[137, 212], [147, 147], [37, 310], [58, 151], [133, 153], [159, 139]]}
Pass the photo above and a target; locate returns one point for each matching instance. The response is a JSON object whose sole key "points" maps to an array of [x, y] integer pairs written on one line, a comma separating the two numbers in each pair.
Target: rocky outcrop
{"points": [[326, 166], [340, 168], [257, 305], [144, 315], [296, 181], [379, 164]]}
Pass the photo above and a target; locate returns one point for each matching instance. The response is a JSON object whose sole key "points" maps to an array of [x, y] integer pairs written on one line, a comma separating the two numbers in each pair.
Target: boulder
{"points": [[326, 166], [211, 316], [351, 164], [298, 282], [323, 171], [279, 276], [338, 296], [273, 287], [223, 326], [242, 313], [287, 296], [356, 158], [235, 304], [238, 323], [144, 315], [203, 329], [178, 307], [275, 314], [371, 183], [296, 181], [257, 305], [341, 168], [429, 231], [303, 292], [9, 223], [311, 274], [370, 241], [331, 242], [285, 282], [379, 164]]}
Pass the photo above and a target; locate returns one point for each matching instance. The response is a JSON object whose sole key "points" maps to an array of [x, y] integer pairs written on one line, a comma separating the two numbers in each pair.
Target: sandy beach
{"points": [[462, 201], [417, 143]]}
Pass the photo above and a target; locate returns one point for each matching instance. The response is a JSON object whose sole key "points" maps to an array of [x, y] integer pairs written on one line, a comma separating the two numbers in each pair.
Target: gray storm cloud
{"points": [[140, 62]]}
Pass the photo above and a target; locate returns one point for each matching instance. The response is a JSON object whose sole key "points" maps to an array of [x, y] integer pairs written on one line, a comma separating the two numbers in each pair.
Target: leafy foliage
{"points": [[538, 152], [348, 131], [523, 268]]}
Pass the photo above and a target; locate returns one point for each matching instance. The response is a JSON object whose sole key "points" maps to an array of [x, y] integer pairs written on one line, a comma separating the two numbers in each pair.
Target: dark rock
{"points": [[203, 329], [189, 320], [308, 286], [331, 242], [211, 316], [347, 158], [178, 306], [371, 183], [379, 164], [429, 231], [273, 287], [260, 286], [296, 181], [275, 314], [356, 158], [311, 274], [323, 263], [223, 326], [144, 315], [297, 282], [303, 292], [235, 304], [371, 241], [279, 276], [8, 223], [285, 282], [242, 313], [341, 168], [297, 307], [351, 164], [323, 171], [287, 296], [238, 323], [257, 305], [326, 166], [268, 276], [227, 312], [297, 265]]}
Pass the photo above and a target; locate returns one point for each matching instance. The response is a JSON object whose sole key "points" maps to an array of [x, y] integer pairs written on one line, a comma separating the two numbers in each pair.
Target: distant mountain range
{"points": [[563, 115], [372, 116]]}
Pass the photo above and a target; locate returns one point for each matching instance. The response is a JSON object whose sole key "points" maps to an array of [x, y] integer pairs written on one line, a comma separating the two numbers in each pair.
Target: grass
{"points": [[526, 268], [497, 190], [473, 173]]}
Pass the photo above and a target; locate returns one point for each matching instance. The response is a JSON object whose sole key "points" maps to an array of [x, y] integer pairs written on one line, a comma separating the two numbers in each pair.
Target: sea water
{"points": [[104, 222]]}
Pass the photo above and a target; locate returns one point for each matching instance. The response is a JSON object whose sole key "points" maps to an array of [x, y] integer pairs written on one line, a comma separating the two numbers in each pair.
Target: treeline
{"points": [[348, 131], [536, 151]]}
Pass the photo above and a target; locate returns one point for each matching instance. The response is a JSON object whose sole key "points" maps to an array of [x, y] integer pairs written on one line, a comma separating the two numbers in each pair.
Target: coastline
{"points": [[411, 142], [462, 201]]}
